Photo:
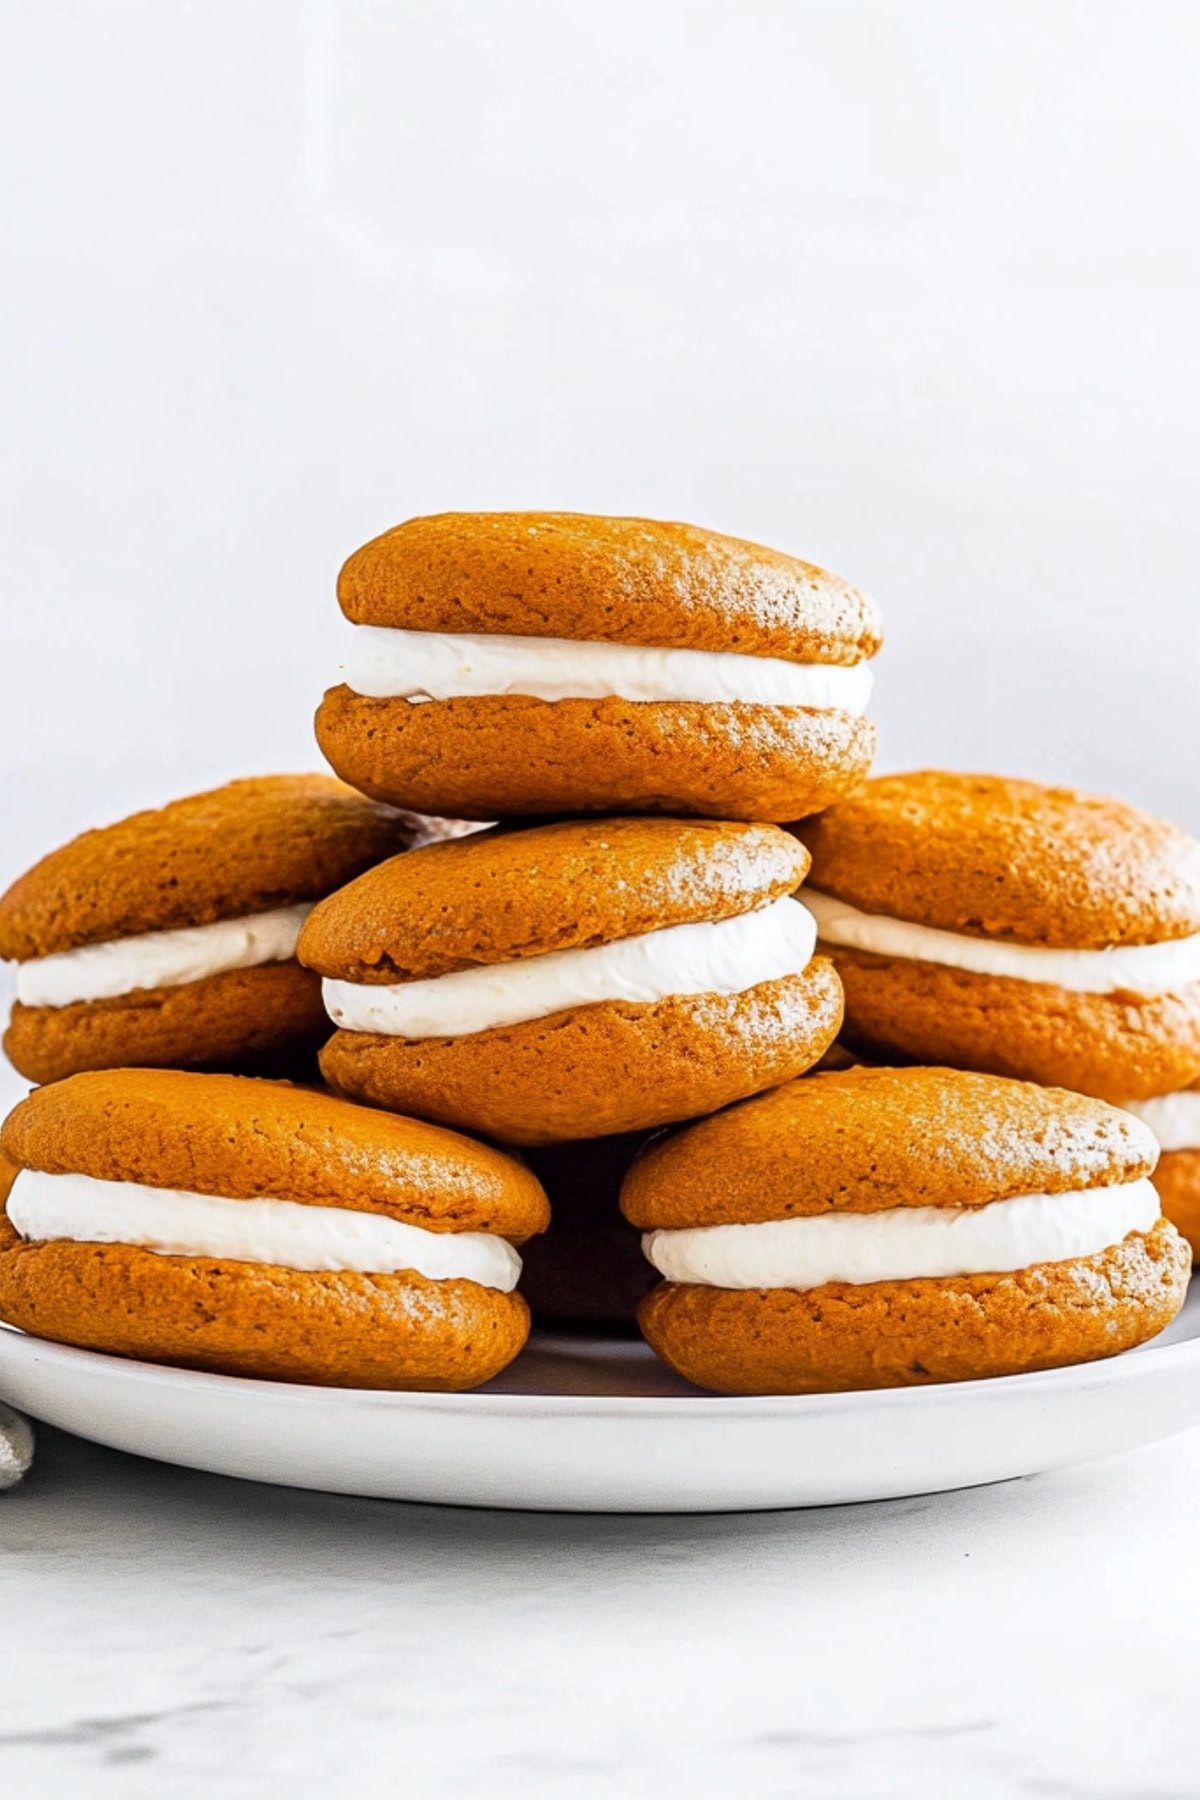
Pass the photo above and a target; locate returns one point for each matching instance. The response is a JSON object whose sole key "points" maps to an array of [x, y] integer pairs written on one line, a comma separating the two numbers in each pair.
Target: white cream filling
{"points": [[906, 1243], [725, 957], [155, 959], [174, 1222], [384, 663], [1173, 1118], [1142, 969]]}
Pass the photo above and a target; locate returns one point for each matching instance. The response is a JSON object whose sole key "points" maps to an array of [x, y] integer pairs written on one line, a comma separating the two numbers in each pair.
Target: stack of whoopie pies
{"points": [[321, 1058]]}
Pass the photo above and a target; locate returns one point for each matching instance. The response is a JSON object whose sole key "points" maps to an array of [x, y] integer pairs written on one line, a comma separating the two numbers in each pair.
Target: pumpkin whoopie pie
{"points": [[1011, 928], [516, 663], [586, 1271], [575, 979], [893, 1227], [169, 938], [254, 1228], [1175, 1121]]}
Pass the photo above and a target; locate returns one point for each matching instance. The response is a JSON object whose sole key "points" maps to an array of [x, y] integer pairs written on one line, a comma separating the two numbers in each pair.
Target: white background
{"points": [[910, 289]]}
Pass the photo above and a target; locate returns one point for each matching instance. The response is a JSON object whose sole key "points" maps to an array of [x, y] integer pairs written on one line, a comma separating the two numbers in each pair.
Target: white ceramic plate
{"points": [[589, 1425]]}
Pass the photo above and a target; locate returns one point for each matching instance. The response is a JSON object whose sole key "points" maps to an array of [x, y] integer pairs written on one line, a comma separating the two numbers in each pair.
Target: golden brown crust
{"points": [[1177, 1179], [1115, 1046], [587, 1269], [503, 896], [602, 1069], [258, 1321], [617, 581], [267, 1014], [506, 756], [250, 846], [840, 1337], [246, 1139], [991, 857], [866, 1140]]}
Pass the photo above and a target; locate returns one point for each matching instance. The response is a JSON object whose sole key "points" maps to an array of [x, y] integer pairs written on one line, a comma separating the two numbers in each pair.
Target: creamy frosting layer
{"points": [[174, 1222], [1141, 969], [905, 1243], [385, 663], [155, 959], [725, 957], [1173, 1118]]}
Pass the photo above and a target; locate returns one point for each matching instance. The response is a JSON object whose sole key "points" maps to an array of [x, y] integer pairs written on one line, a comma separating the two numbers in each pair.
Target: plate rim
{"points": [[1102, 1372]]}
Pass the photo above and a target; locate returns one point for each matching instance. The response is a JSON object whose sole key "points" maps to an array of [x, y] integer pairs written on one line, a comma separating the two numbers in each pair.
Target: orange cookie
{"points": [[1177, 1179], [1175, 1121], [259, 1229], [587, 1269], [514, 663], [574, 980], [892, 1227], [169, 938], [1015, 929]]}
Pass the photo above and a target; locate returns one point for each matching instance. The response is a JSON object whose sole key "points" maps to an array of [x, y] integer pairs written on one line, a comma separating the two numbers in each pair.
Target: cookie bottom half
{"points": [[841, 1337], [501, 755], [1112, 1046], [252, 1319], [1177, 1179], [263, 1020], [601, 1069]]}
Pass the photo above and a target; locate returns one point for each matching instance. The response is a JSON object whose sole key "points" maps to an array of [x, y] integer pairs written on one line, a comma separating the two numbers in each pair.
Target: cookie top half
{"points": [[250, 846], [503, 895], [993, 857], [244, 1139], [617, 581], [866, 1140]]}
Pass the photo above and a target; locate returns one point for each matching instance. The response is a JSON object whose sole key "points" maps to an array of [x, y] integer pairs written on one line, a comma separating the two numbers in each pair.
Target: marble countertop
{"points": [[167, 1633]]}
